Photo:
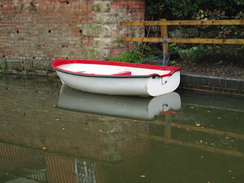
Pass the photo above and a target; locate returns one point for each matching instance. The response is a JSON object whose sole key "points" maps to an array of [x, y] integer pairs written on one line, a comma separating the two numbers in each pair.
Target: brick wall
{"points": [[43, 30]]}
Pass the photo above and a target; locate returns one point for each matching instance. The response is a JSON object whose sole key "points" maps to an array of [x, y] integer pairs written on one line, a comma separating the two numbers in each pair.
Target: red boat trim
{"points": [[59, 62]]}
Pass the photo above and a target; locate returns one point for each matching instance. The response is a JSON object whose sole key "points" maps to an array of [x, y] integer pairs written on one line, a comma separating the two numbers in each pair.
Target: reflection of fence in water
{"points": [[168, 130]]}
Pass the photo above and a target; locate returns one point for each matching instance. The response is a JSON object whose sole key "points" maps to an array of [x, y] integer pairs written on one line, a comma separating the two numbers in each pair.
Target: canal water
{"points": [[51, 133]]}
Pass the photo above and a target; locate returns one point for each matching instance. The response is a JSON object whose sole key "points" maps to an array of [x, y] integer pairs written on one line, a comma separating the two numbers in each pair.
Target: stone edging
{"points": [[212, 84]]}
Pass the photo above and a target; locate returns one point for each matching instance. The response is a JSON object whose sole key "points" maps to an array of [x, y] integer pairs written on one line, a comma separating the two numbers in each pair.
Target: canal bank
{"points": [[189, 81], [223, 85]]}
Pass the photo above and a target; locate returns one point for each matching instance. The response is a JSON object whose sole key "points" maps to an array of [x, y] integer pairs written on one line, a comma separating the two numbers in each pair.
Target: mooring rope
{"points": [[161, 57]]}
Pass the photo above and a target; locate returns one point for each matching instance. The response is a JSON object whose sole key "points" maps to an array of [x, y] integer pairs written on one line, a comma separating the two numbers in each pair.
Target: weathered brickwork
{"points": [[42, 30]]}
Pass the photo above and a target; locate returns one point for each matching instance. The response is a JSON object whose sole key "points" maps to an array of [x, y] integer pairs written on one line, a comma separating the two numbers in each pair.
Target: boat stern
{"points": [[162, 85]]}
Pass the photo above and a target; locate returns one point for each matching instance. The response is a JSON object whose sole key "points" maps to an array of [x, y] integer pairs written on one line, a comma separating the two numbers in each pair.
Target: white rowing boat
{"points": [[117, 78]]}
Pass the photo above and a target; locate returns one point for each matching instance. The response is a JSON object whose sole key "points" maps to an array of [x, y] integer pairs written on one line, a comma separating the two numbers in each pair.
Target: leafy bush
{"points": [[139, 53], [220, 31], [195, 51], [175, 9]]}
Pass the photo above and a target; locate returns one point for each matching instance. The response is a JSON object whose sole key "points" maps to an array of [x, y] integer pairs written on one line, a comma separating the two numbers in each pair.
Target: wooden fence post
{"points": [[164, 34], [167, 129]]}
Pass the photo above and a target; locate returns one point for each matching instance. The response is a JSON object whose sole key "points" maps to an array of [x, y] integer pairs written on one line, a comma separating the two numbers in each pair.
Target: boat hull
{"points": [[135, 85], [122, 86]]}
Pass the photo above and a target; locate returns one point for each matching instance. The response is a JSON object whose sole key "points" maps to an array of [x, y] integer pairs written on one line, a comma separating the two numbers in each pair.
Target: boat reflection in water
{"points": [[131, 107]]}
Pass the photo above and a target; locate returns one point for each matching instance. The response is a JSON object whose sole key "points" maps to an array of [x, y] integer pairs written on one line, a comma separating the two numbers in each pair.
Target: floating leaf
{"points": [[44, 148], [198, 124]]}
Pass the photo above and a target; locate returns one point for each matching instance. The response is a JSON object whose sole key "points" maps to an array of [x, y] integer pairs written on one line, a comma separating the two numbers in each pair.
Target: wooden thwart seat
{"points": [[123, 73]]}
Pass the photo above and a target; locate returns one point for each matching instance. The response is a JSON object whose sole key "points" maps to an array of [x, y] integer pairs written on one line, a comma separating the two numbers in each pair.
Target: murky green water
{"points": [[51, 133]]}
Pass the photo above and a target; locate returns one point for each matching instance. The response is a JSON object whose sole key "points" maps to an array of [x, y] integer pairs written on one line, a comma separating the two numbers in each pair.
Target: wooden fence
{"points": [[163, 23]]}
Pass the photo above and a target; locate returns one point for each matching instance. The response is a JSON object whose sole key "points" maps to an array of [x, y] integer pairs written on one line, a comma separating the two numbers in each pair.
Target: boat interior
{"points": [[110, 70]]}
